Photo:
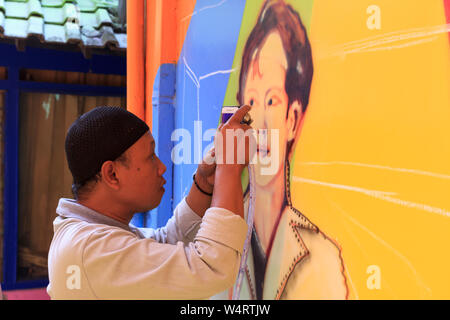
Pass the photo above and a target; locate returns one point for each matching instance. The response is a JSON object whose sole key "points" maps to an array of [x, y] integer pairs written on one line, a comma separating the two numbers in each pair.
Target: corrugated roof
{"points": [[90, 23]]}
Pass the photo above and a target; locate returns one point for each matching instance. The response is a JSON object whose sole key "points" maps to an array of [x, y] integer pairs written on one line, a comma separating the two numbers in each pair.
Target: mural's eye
{"points": [[252, 102], [273, 101]]}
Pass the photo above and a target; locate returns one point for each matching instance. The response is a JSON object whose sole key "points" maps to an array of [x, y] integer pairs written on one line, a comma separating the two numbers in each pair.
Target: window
{"points": [[39, 99]]}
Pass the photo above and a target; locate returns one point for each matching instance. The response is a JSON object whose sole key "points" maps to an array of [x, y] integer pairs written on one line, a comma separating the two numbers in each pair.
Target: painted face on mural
{"points": [[265, 91]]}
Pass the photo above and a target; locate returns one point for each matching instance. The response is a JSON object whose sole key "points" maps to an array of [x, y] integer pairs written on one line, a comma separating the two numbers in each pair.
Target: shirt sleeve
{"points": [[182, 226], [118, 265]]}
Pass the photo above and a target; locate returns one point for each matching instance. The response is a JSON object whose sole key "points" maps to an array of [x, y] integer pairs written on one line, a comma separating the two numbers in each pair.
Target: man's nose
{"points": [[162, 168]]}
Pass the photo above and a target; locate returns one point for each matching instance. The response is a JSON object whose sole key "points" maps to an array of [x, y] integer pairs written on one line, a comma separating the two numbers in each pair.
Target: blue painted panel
{"points": [[162, 128], [138, 220], [202, 77]]}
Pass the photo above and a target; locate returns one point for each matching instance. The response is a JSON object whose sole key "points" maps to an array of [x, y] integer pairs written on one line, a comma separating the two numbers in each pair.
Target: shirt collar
{"points": [[70, 208]]}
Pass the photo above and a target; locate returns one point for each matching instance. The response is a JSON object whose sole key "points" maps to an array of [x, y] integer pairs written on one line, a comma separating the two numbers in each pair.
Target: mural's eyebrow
{"points": [[252, 90], [277, 89]]}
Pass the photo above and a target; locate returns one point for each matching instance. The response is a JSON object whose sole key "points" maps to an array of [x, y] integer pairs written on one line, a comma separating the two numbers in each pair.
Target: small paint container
{"points": [[228, 111]]}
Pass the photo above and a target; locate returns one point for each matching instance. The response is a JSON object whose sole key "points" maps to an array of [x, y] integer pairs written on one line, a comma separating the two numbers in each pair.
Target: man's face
{"points": [[265, 91], [141, 179]]}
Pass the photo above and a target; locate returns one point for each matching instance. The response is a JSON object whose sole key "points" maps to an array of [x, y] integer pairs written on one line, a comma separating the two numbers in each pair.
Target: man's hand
{"points": [[228, 188], [205, 175], [235, 142]]}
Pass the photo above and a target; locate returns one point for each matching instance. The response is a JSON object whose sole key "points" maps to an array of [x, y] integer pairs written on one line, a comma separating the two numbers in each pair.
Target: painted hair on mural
{"points": [[276, 15]]}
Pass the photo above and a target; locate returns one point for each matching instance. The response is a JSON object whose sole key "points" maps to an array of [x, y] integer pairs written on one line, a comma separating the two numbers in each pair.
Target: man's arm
{"points": [[120, 266], [198, 201], [226, 177], [222, 180]]}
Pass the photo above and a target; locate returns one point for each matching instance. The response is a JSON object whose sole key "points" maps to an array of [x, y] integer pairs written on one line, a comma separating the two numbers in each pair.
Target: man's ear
{"points": [[294, 118], [109, 174]]}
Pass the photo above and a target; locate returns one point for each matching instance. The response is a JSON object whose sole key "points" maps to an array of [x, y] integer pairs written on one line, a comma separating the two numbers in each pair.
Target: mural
{"points": [[358, 92], [290, 257]]}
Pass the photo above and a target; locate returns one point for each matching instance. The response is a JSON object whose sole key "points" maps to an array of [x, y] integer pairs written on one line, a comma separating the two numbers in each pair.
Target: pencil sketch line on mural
{"points": [[384, 243], [394, 36], [204, 8], [399, 46], [197, 80], [367, 256], [379, 195], [375, 43], [215, 73], [364, 253], [344, 187], [376, 166]]}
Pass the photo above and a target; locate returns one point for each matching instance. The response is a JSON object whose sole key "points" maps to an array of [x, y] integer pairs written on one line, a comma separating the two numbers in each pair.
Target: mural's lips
{"points": [[163, 183]]}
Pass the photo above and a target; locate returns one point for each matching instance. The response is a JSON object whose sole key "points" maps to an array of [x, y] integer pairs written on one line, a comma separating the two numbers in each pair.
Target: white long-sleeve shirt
{"points": [[93, 256]]}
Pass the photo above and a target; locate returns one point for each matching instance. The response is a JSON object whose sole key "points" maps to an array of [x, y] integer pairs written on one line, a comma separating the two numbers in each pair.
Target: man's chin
{"points": [[158, 198]]}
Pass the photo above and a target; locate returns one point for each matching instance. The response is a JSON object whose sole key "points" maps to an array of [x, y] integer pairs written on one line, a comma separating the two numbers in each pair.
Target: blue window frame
{"points": [[37, 58]]}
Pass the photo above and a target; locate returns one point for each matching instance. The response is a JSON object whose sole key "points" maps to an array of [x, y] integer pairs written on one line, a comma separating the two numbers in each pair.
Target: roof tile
{"points": [[87, 22], [95, 20], [24, 10], [61, 15]]}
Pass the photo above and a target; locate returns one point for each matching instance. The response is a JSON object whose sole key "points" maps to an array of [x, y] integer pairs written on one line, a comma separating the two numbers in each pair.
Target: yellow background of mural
{"points": [[372, 167]]}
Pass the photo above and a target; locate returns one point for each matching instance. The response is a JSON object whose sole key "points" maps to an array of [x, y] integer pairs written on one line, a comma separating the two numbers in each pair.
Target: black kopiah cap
{"points": [[102, 134]]}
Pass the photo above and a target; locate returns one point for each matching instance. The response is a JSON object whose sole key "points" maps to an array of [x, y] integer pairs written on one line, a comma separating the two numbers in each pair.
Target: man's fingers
{"points": [[209, 158], [239, 115]]}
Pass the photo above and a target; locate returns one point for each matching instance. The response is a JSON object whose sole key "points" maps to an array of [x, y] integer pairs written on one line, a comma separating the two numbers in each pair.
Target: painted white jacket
{"points": [[95, 257], [304, 264]]}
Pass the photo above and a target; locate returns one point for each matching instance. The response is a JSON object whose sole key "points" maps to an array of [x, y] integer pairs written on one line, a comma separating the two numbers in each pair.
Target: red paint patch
{"points": [[31, 294]]}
